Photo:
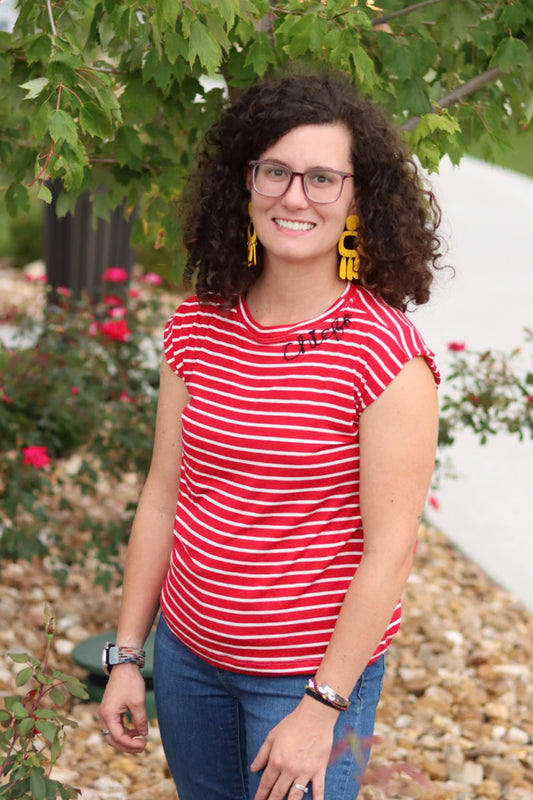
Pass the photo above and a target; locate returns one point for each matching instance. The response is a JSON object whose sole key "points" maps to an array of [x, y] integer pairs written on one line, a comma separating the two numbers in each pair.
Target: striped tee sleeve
{"points": [[388, 341]]}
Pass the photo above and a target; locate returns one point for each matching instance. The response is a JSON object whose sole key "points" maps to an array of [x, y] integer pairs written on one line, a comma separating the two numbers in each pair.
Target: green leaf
{"points": [[174, 46], [511, 54], [203, 47], [17, 199], [39, 49], [260, 56], [364, 66], [413, 95], [168, 11], [44, 193], [25, 726], [39, 123], [37, 784], [63, 128], [15, 706], [94, 121], [23, 676], [48, 729], [57, 696], [19, 658], [34, 87]]}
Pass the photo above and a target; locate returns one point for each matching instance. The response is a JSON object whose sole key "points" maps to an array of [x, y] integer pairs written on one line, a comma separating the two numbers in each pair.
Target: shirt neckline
{"points": [[273, 333]]}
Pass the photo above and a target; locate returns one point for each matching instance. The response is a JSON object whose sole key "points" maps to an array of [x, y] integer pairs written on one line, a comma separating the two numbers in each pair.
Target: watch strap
{"points": [[126, 655]]}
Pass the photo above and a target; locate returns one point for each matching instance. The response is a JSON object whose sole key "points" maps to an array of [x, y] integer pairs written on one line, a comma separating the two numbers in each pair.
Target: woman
{"points": [[295, 441]]}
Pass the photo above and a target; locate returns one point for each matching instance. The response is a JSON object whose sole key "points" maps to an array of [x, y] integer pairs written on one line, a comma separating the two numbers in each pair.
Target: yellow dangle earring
{"points": [[251, 240], [349, 265]]}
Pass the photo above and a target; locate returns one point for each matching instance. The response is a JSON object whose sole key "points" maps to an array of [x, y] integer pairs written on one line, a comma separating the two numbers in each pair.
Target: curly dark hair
{"points": [[398, 217]]}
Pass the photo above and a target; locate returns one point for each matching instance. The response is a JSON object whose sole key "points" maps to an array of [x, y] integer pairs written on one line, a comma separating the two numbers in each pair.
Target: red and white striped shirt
{"points": [[268, 532]]}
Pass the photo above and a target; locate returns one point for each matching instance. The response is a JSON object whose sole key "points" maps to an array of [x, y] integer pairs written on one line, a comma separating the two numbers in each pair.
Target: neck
{"points": [[286, 294]]}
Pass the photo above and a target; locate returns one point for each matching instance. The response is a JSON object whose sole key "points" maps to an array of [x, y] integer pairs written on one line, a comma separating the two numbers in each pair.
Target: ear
{"points": [[248, 179], [354, 205]]}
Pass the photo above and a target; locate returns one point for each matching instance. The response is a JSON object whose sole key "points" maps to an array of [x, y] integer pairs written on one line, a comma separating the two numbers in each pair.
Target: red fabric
{"points": [[268, 530]]}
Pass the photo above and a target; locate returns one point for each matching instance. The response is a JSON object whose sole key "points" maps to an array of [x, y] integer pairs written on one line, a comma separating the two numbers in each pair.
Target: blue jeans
{"points": [[213, 721]]}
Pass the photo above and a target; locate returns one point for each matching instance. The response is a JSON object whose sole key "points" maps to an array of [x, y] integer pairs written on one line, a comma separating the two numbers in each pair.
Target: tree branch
{"points": [[51, 16], [458, 94], [407, 10]]}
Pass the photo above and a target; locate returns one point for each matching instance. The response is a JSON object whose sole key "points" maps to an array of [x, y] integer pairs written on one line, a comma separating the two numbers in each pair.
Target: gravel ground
{"points": [[457, 700]]}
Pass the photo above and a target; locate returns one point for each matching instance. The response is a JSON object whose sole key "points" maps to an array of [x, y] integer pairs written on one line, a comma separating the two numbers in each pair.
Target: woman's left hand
{"points": [[296, 752]]}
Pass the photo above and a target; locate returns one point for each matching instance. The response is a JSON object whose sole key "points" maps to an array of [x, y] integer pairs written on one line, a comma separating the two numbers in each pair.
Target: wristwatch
{"points": [[112, 655]]}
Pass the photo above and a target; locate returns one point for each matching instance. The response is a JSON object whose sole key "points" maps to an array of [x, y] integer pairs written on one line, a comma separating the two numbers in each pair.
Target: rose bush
{"points": [[80, 381]]}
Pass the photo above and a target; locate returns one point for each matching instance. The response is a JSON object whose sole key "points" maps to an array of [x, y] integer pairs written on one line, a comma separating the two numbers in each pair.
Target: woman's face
{"points": [[292, 228]]}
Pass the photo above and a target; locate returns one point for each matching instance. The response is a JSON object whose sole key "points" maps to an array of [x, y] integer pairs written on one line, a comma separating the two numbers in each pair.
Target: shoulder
{"points": [[192, 311]]}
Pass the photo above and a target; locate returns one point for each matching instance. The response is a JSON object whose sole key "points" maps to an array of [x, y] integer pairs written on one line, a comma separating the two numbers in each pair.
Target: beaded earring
{"points": [[251, 240], [349, 264]]}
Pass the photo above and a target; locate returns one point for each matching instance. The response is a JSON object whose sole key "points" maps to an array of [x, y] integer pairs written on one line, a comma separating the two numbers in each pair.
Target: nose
{"points": [[295, 196]]}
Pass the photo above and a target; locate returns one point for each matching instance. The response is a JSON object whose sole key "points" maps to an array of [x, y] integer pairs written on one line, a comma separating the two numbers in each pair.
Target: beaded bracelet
{"points": [[325, 694]]}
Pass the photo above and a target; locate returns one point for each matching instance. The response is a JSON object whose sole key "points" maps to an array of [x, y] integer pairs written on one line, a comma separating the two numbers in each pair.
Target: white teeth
{"points": [[294, 226]]}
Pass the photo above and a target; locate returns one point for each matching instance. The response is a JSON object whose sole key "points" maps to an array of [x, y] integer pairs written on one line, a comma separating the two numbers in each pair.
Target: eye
{"points": [[322, 178], [274, 172]]}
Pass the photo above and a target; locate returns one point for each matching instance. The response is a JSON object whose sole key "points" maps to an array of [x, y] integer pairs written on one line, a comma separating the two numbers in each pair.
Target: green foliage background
{"points": [[100, 91]]}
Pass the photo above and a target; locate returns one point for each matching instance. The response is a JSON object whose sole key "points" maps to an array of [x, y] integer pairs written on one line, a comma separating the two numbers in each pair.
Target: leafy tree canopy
{"points": [[113, 91]]}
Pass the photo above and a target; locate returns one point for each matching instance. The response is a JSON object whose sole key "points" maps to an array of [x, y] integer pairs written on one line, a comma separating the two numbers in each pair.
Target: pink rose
{"points": [[134, 293], [124, 396], [115, 275], [117, 312], [153, 278], [35, 456], [75, 390]]}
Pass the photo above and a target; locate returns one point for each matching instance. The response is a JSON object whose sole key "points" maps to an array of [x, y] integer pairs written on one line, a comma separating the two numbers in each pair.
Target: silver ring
{"points": [[105, 732], [299, 786]]}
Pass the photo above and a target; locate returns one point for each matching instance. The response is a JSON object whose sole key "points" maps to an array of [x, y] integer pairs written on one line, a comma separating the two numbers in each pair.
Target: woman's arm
{"points": [[147, 563], [398, 439]]}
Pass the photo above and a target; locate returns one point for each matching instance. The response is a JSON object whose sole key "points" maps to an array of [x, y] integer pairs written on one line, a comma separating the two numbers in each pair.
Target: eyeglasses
{"points": [[320, 185]]}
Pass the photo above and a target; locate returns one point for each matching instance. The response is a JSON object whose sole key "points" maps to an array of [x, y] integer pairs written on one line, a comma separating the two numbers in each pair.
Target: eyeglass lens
{"points": [[320, 185]]}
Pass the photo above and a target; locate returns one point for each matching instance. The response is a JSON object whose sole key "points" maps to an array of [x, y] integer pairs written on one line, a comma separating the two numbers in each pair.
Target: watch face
{"points": [[105, 657]]}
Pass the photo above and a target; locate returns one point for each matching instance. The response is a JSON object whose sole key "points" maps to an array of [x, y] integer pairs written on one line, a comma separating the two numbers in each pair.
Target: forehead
{"points": [[308, 146]]}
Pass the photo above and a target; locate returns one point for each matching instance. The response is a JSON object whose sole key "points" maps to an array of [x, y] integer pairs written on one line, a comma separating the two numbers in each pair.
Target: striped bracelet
{"points": [[325, 694]]}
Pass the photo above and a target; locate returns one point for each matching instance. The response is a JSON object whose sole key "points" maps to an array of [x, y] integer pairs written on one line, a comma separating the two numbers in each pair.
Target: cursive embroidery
{"points": [[314, 338]]}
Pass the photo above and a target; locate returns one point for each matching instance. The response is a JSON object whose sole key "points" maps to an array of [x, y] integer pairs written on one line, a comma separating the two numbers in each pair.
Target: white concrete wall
{"points": [[488, 511]]}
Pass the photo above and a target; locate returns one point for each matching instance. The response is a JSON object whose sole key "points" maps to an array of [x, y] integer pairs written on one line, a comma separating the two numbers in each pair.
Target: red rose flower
{"points": [[115, 329], [457, 347], [112, 300], [35, 456]]}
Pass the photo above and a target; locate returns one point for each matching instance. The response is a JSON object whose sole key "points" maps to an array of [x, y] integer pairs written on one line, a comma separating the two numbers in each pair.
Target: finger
{"points": [[319, 781], [140, 719], [261, 759], [127, 739], [274, 790], [299, 789]]}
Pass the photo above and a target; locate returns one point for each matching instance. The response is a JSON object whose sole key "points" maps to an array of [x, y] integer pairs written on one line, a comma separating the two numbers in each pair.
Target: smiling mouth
{"points": [[291, 225]]}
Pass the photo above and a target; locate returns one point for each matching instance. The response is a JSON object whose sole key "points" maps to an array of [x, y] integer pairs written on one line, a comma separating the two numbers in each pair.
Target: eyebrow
{"points": [[310, 169]]}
